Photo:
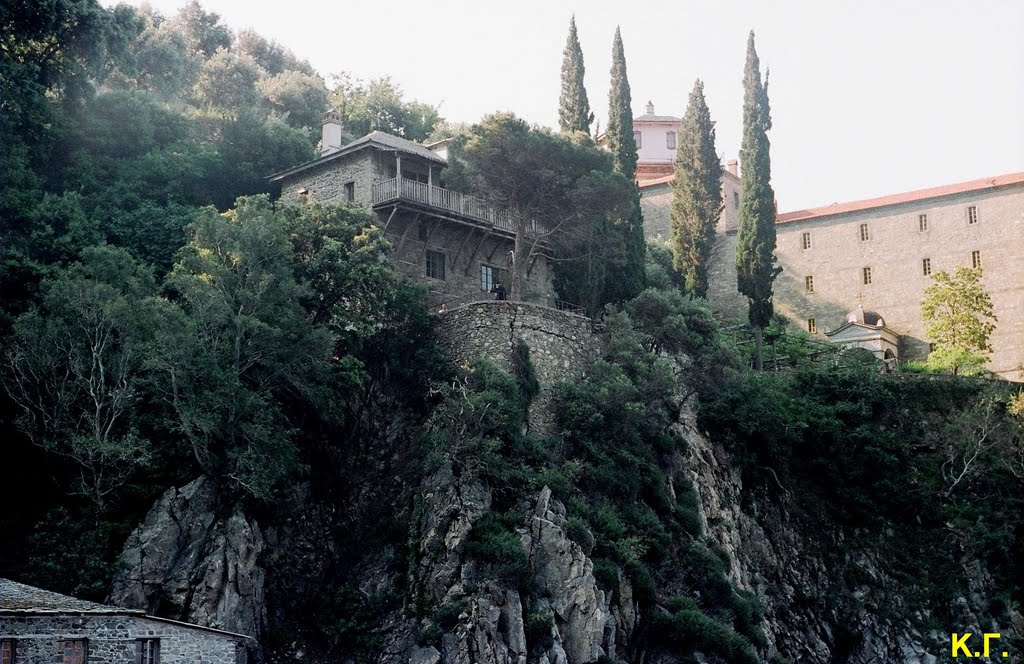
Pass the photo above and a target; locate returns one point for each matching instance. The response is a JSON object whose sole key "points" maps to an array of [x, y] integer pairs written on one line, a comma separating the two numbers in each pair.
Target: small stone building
{"points": [[458, 244], [42, 627]]}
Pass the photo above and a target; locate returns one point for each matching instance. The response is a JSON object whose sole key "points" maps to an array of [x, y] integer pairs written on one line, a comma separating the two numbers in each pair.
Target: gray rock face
{"points": [[565, 576], [188, 563]]}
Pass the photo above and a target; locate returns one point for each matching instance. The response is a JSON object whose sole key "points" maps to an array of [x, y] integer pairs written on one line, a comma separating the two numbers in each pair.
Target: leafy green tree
{"points": [[959, 319], [301, 98], [203, 31], [573, 106], [696, 194], [627, 276], [270, 55], [75, 367], [165, 65], [227, 81], [755, 248], [239, 347], [379, 105], [560, 182]]}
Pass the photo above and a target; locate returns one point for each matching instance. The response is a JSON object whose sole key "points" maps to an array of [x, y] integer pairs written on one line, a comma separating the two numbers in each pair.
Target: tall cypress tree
{"points": [[628, 278], [573, 106], [755, 248], [696, 194]]}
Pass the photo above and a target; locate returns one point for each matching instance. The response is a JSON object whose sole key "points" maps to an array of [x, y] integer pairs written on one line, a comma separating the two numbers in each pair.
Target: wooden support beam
{"points": [[390, 217], [426, 242], [414, 222], [475, 250], [465, 239], [490, 256]]}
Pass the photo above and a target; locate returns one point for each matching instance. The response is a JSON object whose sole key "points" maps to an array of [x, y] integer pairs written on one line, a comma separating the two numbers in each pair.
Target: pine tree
{"points": [[573, 106], [755, 249], [696, 194], [627, 278]]}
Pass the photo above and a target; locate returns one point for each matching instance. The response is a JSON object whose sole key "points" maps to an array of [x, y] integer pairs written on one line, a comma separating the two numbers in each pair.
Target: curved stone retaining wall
{"points": [[561, 344]]}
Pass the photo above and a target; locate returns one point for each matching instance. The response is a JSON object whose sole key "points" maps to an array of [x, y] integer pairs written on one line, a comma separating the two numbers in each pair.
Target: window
{"points": [[76, 651], [922, 222], [7, 651], [863, 232], [350, 191], [808, 284], [972, 214], [670, 140], [736, 199], [926, 266], [867, 275], [975, 259], [638, 138], [812, 327], [435, 265], [147, 651], [490, 277], [805, 241]]}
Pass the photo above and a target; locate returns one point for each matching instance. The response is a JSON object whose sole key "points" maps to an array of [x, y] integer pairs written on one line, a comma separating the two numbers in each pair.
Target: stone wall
{"points": [[561, 344], [895, 252], [325, 183], [656, 201], [112, 639], [466, 249]]}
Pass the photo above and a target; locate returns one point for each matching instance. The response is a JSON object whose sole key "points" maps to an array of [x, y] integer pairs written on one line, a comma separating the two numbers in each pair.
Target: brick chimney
{"points": [[733, 166], [330, 140]]}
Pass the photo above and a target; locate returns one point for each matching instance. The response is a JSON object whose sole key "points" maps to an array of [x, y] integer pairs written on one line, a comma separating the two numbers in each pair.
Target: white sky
{"points": [[868, 98]]}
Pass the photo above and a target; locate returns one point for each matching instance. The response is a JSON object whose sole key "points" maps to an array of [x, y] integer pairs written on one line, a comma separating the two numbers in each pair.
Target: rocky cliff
{"points": [[472, 575]]}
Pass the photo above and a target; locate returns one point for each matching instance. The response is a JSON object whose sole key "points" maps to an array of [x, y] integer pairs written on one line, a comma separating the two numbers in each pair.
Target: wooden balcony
{"points": [[443, 201]]}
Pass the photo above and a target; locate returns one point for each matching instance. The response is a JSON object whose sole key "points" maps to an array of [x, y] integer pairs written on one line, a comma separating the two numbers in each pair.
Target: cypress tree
{"points": [[755, 248], [573, 106], [696, 194], [628, 278]]}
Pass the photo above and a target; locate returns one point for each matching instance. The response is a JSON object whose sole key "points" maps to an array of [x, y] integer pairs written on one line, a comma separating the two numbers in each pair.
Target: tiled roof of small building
{"points": [[374, 138], [648, 117], [16, 596]]}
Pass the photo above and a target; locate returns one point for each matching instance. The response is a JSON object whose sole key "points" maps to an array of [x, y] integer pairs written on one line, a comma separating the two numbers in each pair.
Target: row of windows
{"points": [[922, 226], [670, 139], [76, 651], [866, 274], [490, 276]]}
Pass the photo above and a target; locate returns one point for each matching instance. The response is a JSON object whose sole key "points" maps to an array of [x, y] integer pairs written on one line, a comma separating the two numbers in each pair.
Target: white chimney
{"points": [[650, 107], [330, 140]]}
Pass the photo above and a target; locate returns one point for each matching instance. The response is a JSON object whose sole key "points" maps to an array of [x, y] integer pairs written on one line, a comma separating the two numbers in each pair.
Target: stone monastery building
{"points": [[41, 627], [855, 273], [459, 244]]}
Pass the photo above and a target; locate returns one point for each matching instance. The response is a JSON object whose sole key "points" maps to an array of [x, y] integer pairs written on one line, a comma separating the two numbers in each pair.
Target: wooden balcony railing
{"points": [[404, 189]]}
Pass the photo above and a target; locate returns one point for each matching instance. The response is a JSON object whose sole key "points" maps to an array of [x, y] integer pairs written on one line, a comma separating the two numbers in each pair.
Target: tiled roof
{"points": [[906, 197], [19, 597], [374, 138], [667, 179], [647, 117]]}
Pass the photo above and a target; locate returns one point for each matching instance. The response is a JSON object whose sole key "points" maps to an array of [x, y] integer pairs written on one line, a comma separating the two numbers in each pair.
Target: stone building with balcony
{"points": [[38, 626], [458, 244]]}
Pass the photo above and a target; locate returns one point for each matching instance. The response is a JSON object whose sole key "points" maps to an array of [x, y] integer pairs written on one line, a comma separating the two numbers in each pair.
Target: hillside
{"points": [[233, 412]]}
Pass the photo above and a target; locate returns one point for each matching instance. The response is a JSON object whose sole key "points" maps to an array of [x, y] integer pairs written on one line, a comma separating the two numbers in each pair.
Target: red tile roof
{"points": [[650, 182], [906, 197]]}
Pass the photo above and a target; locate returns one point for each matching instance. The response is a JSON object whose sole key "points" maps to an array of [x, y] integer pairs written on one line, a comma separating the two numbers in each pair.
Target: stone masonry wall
{"points": [[656, 201], [561, 344], [465, 249], [326, 183], [111, 639], [895, 252]]}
